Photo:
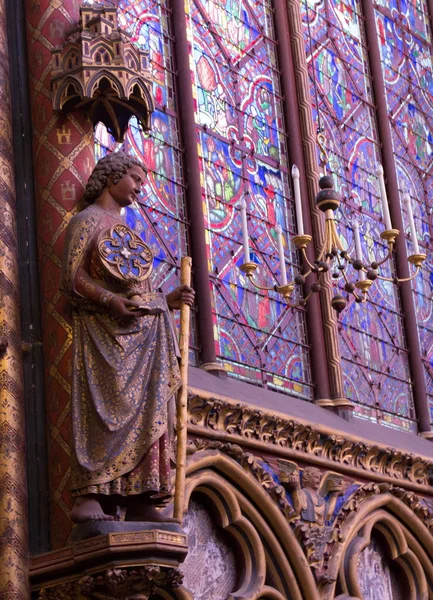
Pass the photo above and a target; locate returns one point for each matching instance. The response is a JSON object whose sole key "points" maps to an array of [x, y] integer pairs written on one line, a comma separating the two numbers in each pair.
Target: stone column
{"points": [[194, 193], [309, 144], [63, 158], [13, 478], [314, 320]]}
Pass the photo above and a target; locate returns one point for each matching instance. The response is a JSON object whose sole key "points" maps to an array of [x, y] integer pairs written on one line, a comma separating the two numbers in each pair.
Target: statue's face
{"points": [[316, 479], [313, 479], [127, 189]]}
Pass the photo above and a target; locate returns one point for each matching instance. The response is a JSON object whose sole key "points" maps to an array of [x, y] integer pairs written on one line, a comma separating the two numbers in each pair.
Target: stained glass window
{"points": [[159, 215], [242, 148], [405, 41], [241, 140], [372, 345]]}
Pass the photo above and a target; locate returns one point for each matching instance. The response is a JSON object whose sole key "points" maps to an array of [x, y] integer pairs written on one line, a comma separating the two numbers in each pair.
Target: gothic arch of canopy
{"points": [[246, 512], [407, 541]]}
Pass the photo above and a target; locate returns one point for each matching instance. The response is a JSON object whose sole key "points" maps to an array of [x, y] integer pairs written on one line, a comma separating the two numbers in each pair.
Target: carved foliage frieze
{"points": [[249, 423], [316, 504], [112, 584]]}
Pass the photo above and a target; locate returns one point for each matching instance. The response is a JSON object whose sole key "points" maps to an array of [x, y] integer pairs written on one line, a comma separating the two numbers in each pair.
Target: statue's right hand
{"points": [[122, 308]]}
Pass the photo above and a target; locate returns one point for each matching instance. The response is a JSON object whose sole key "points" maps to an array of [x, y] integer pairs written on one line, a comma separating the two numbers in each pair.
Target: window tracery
{"points": [[241, 139], [242, 147], [405, 42], [372, 343], [159, 216]]}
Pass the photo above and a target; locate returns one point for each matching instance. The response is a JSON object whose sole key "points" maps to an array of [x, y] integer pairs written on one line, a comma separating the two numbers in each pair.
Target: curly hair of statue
{"points": [[109, 169]]}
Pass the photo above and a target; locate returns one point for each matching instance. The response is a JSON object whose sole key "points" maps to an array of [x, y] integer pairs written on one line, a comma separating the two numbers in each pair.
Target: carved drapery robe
{"points": [[124, 374], [313, 510]]}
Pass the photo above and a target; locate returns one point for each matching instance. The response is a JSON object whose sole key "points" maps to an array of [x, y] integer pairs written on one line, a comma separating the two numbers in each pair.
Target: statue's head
{"points": [[311, 478], [109, 170]]}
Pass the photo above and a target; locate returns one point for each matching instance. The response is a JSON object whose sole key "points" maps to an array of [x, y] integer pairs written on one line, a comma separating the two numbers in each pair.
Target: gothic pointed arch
{"points": [[272, 562], [398, 522]]}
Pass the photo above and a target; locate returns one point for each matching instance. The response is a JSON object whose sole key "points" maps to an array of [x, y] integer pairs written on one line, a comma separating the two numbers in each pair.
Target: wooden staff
{"points": [[182, 397]]}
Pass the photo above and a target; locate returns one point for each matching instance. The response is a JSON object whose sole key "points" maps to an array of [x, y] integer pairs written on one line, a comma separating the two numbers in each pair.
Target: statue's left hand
{"points": [[183, 293]]}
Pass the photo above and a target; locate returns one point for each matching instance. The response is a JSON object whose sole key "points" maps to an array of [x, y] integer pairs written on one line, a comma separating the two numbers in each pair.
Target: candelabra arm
{"points": [[285, 290], [413, 259], [417, 259], [391, 279], [306, 260], [264, 288], [384, 260], [351, 291], [301, 241], [325, 244], [346, 279], [248, 268], [417, 270], [364, 285], [301, 302]]}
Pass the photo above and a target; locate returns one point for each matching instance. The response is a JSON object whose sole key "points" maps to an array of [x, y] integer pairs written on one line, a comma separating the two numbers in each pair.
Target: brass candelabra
{"points": [[332, 256]]}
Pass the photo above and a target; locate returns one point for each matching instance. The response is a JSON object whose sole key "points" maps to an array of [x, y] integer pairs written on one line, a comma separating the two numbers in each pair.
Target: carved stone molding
{"points": [[122, 564], [321, 544], [253, 465], [243, 422], [127, 582], [251, 507], [324, 543], [420, 507]]}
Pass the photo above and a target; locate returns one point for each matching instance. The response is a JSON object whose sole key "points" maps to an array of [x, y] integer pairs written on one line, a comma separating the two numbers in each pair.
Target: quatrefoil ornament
{"points": [[125, 255]]}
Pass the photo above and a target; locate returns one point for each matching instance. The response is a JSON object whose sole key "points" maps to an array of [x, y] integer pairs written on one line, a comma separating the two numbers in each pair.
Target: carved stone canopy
{"points": [[101, 71]]}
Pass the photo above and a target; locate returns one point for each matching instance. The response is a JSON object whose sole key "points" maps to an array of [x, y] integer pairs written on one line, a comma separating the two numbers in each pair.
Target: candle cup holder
{"points": [[302, 241], [389, 235], [417, 259], [364, 285], [248, 268], [285, 290]]}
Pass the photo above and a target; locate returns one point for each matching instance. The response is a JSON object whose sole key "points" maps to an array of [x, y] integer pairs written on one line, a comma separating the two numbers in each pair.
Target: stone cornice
{"points": [[278, 434]]}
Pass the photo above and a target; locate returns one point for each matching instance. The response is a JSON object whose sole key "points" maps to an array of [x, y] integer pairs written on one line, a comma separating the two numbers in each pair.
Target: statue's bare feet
{"points": [[140, 509], [88, 508]]}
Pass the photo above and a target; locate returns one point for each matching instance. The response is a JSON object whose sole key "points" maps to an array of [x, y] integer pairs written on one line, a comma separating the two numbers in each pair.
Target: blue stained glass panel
{"points": [[375, 361], [159, 214], [243, 155], [409, 92]]}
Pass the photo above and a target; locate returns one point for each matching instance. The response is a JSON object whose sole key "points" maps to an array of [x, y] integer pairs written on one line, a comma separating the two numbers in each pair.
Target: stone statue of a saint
{"points": [[125, 365], [309, 499]]}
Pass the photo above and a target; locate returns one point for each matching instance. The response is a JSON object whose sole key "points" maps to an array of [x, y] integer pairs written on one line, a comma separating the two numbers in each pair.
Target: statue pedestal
{"points": [[111, 560]]}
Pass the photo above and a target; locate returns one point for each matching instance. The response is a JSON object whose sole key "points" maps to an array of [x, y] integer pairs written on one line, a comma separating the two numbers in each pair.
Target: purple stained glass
{"points": [[159, 215], [242, 149], [372, 345], [408, 74]]}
